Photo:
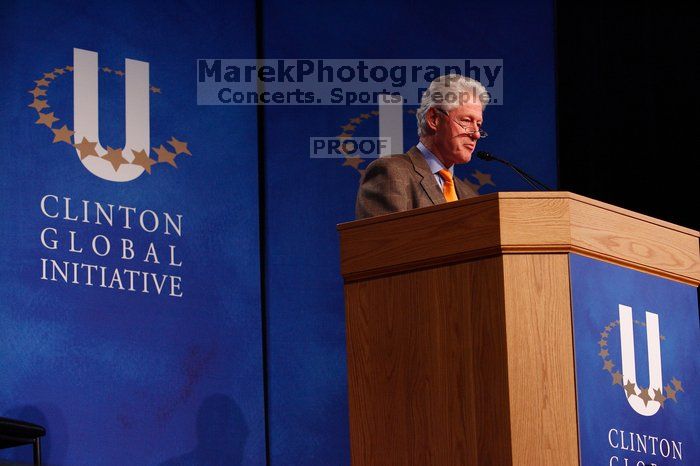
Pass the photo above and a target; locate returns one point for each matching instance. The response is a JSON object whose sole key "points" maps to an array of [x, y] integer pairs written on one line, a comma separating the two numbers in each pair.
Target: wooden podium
{"points": [[453, 312]]}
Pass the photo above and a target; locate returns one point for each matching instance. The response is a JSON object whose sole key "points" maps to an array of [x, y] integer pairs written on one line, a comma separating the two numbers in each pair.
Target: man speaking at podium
{"points": [[449, 126]]}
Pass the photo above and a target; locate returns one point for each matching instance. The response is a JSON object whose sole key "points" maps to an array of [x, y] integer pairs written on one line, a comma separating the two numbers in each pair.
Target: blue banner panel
{"points": [[309, 191], [129, 276], [637, 341]]}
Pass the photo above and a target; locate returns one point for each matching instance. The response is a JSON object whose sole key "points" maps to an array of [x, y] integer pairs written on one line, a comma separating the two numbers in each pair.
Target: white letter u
{"points": [[86, 115], [629, 371]]}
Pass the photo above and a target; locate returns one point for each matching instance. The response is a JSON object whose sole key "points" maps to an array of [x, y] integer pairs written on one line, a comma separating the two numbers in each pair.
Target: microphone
{"points": [[538, 185]]}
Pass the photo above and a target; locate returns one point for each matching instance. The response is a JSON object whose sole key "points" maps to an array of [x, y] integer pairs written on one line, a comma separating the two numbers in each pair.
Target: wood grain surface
{"points": [[427, 367], [542, 388], [518, 223]]}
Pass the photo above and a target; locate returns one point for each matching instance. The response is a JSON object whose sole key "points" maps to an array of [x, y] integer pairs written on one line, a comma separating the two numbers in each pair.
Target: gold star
{"points": [[353, 162], [86, 148], [629, 389], [179, 146], [46, 119], [483, 178], [357, 121], [602, 343], [375, 113], [604, 334], [348, 149], [155, 90], [107, 69], [603, 353], [141, 158], [344, 136], [62, 135], [670, 393], [119, 73], [41, 82], [58, 70], [617, 378], [36, 92], [475, 187], [662, 338], [607, 328], [348, 127], [364, 116], [677, 385], [49, 76], [164, 155], [114, 156], [645, 396], [38, 105], [69, 68], [658, 396], [608, 365], [362, 172]]}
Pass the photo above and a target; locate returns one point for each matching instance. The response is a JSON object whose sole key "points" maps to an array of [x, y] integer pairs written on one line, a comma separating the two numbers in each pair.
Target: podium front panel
{"points": [[637, 349]]}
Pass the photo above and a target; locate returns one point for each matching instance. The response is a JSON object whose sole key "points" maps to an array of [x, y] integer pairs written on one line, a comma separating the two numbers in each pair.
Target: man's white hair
{"points": [[447, 93]]}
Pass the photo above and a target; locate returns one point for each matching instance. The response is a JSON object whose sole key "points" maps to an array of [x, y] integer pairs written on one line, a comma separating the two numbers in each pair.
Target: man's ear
{"points": [[431, 119]]}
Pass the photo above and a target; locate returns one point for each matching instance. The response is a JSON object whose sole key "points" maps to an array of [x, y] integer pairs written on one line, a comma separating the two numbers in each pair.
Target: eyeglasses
{"points": [[469, 131]]}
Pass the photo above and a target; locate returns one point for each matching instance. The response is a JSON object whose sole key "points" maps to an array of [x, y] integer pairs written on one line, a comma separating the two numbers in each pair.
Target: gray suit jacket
{"points": [[401, 182]]}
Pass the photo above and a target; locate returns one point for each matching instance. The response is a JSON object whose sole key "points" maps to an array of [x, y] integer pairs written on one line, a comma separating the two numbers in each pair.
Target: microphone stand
{"points": [[533, 182]]}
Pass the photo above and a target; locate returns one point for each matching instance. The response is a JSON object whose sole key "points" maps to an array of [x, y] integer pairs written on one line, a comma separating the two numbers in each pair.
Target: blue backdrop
{"points": [[306, 198], [121, 377], [135, 378]]}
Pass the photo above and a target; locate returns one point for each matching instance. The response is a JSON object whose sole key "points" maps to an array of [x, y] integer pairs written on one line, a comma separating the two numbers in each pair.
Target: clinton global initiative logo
{"points": [[645, 399], [110, 162]]}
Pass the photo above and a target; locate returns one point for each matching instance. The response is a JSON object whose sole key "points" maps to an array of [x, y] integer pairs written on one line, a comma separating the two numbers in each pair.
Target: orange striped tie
{"points": [[448, 185]]}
